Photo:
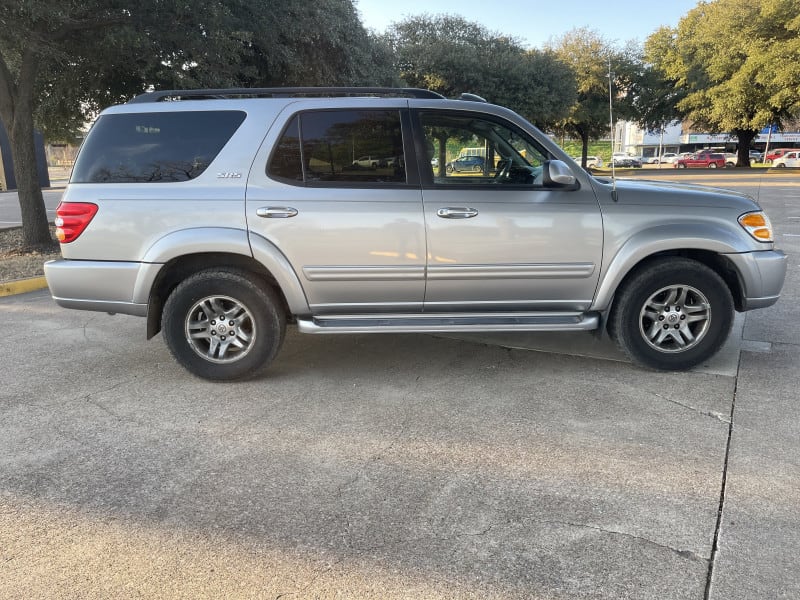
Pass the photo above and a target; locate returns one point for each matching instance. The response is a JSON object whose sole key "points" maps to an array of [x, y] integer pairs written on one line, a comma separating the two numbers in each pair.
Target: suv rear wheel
{"points": [[221, 325], [672, 315]]}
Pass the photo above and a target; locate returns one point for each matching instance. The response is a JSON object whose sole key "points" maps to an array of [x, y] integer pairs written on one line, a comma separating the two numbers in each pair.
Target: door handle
{"points": [[276, 212], [456, 212]]}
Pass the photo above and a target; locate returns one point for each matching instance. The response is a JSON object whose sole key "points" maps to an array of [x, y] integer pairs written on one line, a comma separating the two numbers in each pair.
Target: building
{"points": [[679, 137]]}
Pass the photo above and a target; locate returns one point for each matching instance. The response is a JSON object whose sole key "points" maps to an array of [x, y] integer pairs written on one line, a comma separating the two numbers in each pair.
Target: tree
{"points": [[737, 64], [312, 43], [450, 55], [590, 58], [654, 99], [61, 61]]}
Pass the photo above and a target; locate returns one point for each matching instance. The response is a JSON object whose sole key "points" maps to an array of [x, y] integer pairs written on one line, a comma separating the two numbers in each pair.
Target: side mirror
{"points": [[556, 174]]}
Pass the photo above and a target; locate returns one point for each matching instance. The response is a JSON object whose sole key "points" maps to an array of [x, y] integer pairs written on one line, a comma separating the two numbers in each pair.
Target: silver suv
{"points": [[223, 215]]}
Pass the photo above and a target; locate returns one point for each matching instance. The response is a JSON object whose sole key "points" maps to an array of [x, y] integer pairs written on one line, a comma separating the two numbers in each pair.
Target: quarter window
{"points": [[348, 147], [154, 147]]}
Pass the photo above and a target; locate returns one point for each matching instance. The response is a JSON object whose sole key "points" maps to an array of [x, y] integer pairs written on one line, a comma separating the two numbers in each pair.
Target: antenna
{"points": [[611, 126]]}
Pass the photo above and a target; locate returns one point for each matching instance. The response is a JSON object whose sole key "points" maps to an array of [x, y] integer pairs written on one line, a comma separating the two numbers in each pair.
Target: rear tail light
{"points": [[72, 218]]}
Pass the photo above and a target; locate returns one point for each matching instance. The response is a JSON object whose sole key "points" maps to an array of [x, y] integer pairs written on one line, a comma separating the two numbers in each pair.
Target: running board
{"points": [[450, 323]]}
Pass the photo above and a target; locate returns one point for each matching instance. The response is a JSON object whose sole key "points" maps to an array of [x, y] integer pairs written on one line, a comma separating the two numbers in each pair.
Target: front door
{"points": [[498, 239]]}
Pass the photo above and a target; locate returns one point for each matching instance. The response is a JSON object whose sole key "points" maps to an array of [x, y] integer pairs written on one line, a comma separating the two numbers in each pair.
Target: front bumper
{"points": [[762, 275]]}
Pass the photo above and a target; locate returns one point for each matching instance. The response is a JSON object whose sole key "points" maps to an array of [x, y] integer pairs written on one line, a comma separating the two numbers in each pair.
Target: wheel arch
{"points": [[635, 256], [181, 267]]}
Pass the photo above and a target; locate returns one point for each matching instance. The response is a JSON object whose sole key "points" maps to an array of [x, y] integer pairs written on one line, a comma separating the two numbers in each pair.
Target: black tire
{"points": [[243, 343], [681, 166], [690, 316], [780, 166], [712, 165]]}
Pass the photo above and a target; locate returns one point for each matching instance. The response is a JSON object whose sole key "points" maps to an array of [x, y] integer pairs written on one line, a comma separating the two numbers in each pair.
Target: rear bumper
{"points": [[762, 275], [118, 287]]}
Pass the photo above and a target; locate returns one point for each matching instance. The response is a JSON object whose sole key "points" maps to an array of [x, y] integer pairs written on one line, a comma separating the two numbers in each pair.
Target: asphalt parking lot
{"points": [[402, 466]]}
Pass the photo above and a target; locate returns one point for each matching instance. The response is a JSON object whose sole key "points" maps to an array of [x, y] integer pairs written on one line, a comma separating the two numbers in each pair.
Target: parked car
{"points": [[776, 153], [592, 162], [666, 158], [627, 161], [466, 163], [368, 162], [702, 160], [756, 156], [789, 159], [224, 217]]}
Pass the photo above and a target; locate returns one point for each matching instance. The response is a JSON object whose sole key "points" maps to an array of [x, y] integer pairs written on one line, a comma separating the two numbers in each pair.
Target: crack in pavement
{"points": [[719, 417], [682, 553]]}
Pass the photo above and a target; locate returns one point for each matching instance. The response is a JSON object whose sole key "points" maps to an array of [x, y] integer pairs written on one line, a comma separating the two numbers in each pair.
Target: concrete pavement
{"points": [[400, 466]]}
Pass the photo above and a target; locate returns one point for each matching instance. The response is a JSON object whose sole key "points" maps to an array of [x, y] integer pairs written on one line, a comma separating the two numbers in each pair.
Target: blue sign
{"points": [[770, 129]]}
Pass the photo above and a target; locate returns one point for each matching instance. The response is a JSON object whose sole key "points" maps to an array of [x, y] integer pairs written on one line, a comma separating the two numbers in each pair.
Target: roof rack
{"points": [[283, 92]]}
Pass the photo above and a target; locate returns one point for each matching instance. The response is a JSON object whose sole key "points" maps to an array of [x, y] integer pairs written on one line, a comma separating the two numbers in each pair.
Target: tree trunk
{"points": [[35, 230], [745, 137], [16, 109], [584, 148]]}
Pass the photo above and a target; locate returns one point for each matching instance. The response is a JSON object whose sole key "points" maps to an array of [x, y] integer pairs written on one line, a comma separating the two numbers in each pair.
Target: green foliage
{"points": [[450, 55], [738, 64], [589, 57], [594, 148]]}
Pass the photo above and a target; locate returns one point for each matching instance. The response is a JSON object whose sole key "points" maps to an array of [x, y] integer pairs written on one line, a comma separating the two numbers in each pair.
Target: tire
{"points": [[477, 169], [712, 165], [780, 166], [449, 168], [223, 351], [672, 314], [681, 166]]}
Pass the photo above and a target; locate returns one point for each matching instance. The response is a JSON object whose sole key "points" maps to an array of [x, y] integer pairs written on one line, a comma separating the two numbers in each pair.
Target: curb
{"points": [[22, 286]]}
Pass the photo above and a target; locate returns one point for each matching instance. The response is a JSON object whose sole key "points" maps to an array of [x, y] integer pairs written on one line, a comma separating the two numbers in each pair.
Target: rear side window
{"points": [[153, 147], [340, 146]]}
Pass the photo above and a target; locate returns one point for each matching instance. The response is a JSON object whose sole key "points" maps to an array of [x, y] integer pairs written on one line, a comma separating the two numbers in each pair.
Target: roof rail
{"points": [[283, 92], [471, 97]]}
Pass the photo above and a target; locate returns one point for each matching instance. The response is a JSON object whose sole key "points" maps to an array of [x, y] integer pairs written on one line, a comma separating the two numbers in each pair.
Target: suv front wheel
{"points": [[221, 325], [672, 315]]}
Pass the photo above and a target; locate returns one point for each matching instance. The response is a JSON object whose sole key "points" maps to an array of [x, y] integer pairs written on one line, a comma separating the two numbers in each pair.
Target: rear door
{"points": [[352, 229]]}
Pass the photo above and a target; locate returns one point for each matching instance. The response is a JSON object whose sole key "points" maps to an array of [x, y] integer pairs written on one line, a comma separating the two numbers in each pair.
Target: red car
{"points": [[702, 160], [776, 153]]}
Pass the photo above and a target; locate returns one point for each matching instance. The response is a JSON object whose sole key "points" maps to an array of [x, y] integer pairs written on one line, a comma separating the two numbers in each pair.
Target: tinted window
{"points": [[349, 146], [153, 147]]}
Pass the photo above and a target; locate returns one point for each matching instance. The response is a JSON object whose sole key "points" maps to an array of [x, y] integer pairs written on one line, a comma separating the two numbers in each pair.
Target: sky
{"points": [[534, 22]]}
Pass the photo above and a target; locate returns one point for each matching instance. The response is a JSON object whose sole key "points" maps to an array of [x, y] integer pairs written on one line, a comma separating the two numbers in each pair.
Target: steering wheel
{"points": [[504, 171]]}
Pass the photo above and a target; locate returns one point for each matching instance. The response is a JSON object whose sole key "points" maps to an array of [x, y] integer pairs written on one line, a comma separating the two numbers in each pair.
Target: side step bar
{"points": [[450, 323]]}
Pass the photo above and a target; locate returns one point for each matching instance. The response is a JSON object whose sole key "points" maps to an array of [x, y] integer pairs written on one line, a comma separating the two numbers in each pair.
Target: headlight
{"points": [[757, 224]]}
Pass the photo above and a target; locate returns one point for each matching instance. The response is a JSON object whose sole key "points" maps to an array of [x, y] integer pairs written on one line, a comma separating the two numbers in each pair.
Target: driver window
{"points": [[467, 150]]}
